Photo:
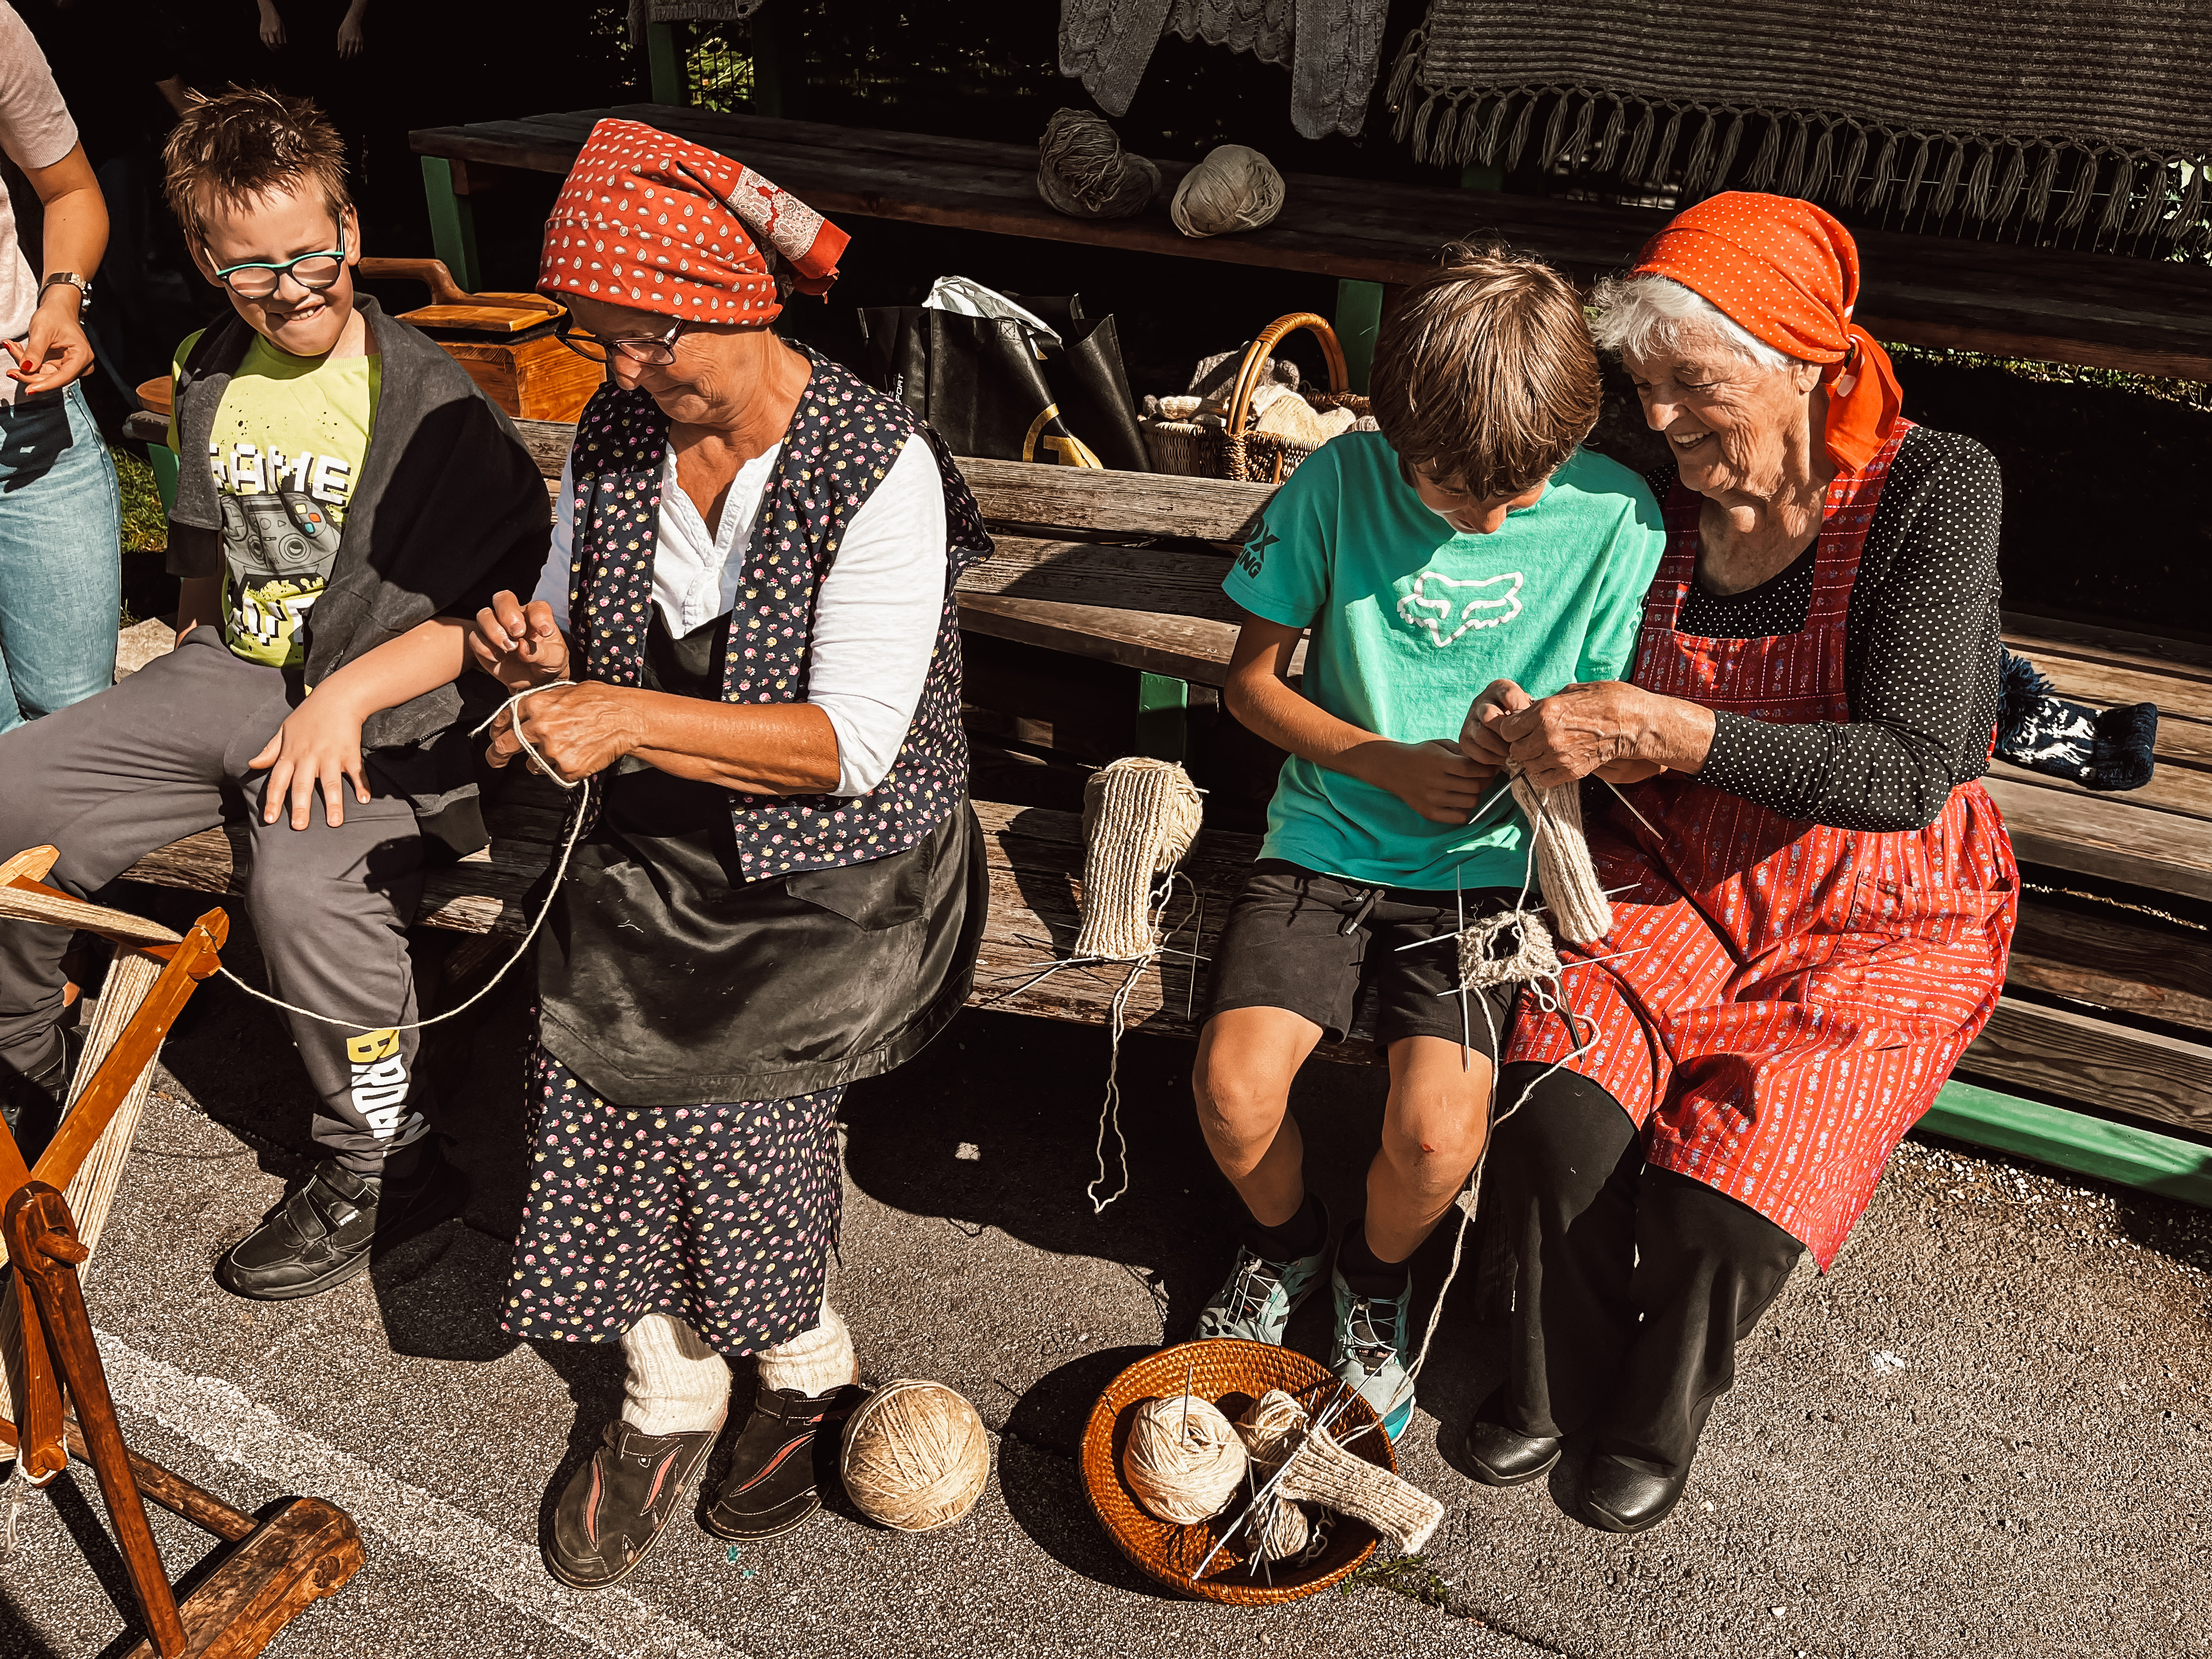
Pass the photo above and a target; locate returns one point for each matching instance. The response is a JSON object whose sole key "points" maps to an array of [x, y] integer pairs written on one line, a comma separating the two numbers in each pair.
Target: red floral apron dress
{"points": [[1792, 995]]}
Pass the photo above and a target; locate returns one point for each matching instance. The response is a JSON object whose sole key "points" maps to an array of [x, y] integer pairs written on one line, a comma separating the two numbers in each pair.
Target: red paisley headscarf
{"points": [[659, 224], [1790, 274]]}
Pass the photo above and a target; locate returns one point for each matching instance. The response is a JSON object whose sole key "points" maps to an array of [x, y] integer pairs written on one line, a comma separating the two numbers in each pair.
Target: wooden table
{"points": [[2100, 310]]}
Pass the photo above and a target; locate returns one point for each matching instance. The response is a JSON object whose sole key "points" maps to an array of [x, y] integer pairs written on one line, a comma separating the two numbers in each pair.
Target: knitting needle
{"points": [[1183, 1438], [1274, 1481]]}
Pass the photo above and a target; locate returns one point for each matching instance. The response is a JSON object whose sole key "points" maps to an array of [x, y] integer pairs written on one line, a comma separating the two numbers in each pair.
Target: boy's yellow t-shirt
{"points": [[286, 452]]}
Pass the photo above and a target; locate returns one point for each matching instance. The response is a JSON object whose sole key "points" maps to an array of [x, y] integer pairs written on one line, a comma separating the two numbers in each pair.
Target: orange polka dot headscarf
{"points": [[1790, 274], [658, 224]]}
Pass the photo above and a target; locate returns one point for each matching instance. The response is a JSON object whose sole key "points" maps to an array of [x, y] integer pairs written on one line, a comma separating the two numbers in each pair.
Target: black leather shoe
{"points": [[614, 1509], [775, 1465], [1506, 1457], [322, 1235], [1618, 1496]]}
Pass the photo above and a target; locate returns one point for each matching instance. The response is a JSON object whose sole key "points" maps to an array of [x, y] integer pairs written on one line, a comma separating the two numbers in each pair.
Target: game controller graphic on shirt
{"points": [[1437, 603]]}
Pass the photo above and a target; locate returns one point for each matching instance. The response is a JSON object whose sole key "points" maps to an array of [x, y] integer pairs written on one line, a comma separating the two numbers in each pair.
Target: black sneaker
{"points": [[614, 1509], [775, 1465], [321, 1234]]}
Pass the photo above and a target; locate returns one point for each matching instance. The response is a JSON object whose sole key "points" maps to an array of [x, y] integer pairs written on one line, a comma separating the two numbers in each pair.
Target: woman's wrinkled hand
{"points": [[576, 730], [1478, 735], [517, 644], [1629, 771], [316, 751], [1575, 731], [1434, 779]]}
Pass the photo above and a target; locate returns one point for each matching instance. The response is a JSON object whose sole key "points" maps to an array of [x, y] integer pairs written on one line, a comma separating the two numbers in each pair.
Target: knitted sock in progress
{"points": [[676, 1384]]}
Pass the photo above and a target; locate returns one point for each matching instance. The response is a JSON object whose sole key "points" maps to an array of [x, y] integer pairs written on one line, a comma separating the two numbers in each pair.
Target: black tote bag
{"points": [[993, 386]]}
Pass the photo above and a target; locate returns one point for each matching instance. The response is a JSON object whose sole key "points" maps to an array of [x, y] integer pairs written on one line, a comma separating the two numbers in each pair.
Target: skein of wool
{"points": [[1139, 817], [1581, 913], [1233, 189], [915, 1456], [1183, 1459], [1083, 171]]}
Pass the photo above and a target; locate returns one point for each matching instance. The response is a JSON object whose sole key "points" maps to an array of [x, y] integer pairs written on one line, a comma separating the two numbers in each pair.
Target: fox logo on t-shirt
{"points": [[1436, 603]]}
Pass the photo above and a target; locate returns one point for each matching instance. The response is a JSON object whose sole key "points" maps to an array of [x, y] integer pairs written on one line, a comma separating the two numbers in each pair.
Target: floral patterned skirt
{"points": [[722, 1215]]}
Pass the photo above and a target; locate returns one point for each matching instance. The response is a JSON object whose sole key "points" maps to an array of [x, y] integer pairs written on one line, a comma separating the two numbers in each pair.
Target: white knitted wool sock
{"points": [[813, 1362], [676, 1384]]}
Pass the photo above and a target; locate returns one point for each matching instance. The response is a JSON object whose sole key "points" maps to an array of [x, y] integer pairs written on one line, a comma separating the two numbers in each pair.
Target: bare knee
{"points": [[1237, 1106], [1431, 1142]]}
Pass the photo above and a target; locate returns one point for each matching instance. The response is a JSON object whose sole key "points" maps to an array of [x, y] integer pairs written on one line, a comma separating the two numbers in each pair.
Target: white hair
{"points": [[1639, 314]]}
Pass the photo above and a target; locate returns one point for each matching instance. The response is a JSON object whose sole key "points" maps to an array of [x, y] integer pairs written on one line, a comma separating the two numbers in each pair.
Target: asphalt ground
{"points": [[1984, 1432]]}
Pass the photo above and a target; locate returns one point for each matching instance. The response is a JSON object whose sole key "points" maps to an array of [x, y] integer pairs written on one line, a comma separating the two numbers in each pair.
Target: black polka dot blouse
{"points": [[1921, 654]]}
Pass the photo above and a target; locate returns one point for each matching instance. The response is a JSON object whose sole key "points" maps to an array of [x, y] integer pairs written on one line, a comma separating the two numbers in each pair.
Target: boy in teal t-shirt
{"points": [[1471, 540]]}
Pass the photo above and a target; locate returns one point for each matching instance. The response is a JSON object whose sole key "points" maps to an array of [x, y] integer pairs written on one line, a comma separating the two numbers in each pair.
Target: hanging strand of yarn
{"points": [[1084, 172], [1139, 819], [578, 816]]}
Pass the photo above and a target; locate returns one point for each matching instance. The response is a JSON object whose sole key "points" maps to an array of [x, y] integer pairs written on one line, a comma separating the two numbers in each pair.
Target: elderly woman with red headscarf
{"points": [[1813, 896], [749, 654]]}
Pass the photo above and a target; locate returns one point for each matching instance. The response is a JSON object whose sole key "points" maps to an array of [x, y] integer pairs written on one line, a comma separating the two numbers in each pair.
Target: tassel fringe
{"points": [[1987, 184]]}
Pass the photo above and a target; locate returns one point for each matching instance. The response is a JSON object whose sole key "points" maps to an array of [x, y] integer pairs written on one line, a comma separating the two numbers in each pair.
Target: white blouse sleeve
{"points": [[876, 618], [553, 580]]}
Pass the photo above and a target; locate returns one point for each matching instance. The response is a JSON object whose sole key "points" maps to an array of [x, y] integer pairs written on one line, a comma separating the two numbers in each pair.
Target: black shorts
{"points": [[1307, 942]]}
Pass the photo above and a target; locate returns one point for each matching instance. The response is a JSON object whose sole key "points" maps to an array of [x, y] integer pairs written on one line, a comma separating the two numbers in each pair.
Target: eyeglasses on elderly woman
{"points": [[653, 350]]}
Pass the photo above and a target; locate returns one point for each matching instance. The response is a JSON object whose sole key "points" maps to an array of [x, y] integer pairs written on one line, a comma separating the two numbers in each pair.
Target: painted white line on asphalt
{"points": [[217, 1417]]}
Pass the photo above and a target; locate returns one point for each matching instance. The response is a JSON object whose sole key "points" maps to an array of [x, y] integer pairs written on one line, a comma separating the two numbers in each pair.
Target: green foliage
{"points": [[145, 526], [1409, 1575], [2196, 394]]}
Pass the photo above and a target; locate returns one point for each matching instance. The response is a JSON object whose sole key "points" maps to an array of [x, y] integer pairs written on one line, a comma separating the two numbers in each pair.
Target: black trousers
{"points": [[1632, 1285]]}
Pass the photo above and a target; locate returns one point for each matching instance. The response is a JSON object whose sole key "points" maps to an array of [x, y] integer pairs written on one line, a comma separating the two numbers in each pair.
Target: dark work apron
{"points": [[666, 980]]}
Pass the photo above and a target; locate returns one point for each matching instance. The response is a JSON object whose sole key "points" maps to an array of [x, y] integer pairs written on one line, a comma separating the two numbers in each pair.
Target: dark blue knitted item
{"points": [[2107, 749]]}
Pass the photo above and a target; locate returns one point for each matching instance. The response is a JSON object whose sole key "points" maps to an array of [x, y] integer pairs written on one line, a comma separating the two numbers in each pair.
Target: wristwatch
{"points": [[81, 284]]}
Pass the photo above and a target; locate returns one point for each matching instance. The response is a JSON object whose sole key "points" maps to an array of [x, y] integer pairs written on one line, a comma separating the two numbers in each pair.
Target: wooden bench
{"points": [[2150, 317], [1064, 577]]}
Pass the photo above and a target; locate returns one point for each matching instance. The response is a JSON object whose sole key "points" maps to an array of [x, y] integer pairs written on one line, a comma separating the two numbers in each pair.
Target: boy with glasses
{"points": [[358, 499]]}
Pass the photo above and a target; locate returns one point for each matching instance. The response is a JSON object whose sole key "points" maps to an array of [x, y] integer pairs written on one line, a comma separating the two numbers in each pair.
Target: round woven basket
{"points": [[1232, 1375]]}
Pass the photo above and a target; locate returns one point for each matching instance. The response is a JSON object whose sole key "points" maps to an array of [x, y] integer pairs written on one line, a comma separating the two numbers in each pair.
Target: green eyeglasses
{"points": [[256, 279]]}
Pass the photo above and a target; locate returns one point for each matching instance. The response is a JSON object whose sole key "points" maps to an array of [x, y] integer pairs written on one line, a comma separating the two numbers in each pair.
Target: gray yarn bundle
{"points": [[1083, 171], [1234, 188]]}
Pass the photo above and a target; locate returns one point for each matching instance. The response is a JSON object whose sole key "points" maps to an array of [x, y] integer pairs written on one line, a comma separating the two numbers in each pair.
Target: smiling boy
{"points": [[358, 499], [1472, 539]]}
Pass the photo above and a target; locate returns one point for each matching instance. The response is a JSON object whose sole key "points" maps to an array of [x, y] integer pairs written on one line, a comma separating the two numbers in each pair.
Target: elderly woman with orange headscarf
{"points": [[745, 645], [1813, 895]]}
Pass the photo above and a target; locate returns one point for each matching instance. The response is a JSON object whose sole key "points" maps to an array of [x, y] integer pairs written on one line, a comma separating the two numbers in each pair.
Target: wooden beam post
{"points": [[664, 66], [779, 55], [452, 225]]}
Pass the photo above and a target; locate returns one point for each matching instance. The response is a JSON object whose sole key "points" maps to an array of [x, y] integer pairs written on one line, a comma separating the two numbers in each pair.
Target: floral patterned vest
{"points": [[840, 443]]}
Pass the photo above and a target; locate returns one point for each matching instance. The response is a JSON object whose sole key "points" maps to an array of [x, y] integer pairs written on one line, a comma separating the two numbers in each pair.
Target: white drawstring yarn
{"points": [[568, 846]]}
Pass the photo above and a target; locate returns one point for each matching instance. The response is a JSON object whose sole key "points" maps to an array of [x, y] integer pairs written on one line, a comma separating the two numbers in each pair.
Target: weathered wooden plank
{"points": [[2175, 788], [1117, 503], [2079, 1057], [2029, 634], [548, 442], [2142, 967], [2101, 309], [1188, 648], [2106, 835], [1133, 578]]}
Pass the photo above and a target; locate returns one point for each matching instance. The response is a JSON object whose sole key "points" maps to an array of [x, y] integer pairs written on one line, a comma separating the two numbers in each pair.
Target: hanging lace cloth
{"points": [[1331, 48]]}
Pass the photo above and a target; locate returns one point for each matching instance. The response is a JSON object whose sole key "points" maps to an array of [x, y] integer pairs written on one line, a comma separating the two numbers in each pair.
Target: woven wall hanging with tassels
{"points": [[2084, 121]]}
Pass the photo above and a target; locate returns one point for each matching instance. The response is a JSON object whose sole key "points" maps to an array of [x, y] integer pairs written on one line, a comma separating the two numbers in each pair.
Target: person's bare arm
{"points": [[317, 749], [199, 599], [773, 749], [1435, 779], [56, 351], [1609, 726]]}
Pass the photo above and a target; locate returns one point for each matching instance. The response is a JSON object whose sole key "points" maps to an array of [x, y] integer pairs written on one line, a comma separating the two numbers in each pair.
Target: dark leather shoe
{"points": [[775, 1465], [1619, 1496], [614, 1509], [1506, 1457], [321, 1235]]}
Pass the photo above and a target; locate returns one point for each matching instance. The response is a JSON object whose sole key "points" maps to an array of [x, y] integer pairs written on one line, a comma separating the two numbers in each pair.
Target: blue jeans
{"points": [[61, 557]]}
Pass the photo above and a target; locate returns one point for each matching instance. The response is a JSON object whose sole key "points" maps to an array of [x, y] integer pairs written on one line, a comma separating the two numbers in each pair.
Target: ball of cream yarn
{"points": [[1183, 1460], [1233, 189], [915, 1456]]}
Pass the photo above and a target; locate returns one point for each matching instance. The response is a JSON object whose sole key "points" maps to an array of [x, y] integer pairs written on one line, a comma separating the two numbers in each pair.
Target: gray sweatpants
{"points": [[164, 755]]}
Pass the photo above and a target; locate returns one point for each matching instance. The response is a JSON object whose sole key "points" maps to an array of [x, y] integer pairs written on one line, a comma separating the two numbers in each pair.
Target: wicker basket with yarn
{"points": [[1229, 1374], [1199, 449]]}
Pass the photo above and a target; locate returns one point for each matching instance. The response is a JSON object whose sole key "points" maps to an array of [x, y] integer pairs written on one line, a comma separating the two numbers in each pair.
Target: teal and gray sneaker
{"points": [[1369, 1351], [1257, 1299]]}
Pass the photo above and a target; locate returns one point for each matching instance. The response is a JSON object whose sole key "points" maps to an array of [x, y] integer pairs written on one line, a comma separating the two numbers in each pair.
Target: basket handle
{"points": [[1248, 372]]}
